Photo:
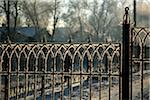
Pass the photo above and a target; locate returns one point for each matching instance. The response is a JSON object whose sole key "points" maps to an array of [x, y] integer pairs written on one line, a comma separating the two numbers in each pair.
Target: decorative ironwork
{"points": [[34, 70], [78, 71], [140, 61]]}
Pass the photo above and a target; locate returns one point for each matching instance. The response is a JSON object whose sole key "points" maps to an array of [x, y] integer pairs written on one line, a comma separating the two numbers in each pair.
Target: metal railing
{"points": [[140, 63], [78, 71], [53, 71]]}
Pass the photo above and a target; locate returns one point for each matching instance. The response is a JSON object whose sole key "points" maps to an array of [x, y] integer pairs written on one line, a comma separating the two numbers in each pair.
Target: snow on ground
{"points": [[136, 92]]}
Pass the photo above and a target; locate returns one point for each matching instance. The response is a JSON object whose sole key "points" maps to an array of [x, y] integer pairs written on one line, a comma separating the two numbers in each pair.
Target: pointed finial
{"points": [[126, 10], [126, 17]]}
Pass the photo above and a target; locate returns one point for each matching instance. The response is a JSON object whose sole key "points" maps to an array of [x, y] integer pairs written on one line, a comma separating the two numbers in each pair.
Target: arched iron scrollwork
{"points": [[48, 66], [140, 59]]}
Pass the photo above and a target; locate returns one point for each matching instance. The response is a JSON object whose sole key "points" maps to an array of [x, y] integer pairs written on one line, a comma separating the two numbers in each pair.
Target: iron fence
{"points": [[140, 63], [60, 71], [78, 71]]}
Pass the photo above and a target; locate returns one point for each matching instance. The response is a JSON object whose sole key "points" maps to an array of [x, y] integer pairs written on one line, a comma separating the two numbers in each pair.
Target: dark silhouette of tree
{"points": [[10, 8]]}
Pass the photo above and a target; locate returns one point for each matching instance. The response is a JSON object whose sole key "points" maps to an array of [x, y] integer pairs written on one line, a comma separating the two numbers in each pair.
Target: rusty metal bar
{"points": [[100, 80], [9, 78], [90, 85], [35, 85], [109, 78], [53, 81], [35, 78], [62, 81], [71, 80], [26, 84], [17, 90], [43, 87], [81, 78], [142, 93]]}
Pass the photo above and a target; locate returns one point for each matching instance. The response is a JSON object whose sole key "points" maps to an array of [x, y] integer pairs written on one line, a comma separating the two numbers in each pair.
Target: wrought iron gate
{"points": [[135, 61], [140, 63]]}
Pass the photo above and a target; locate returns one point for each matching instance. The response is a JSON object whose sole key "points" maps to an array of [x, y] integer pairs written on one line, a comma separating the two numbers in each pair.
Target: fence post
{"points": [[125, 57]]}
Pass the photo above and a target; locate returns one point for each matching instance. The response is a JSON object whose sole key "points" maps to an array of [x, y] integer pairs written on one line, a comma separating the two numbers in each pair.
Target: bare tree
{"points": [[143, 14], [15, 12], [5, 8], [76, 18], [97, 18], [102, 18], [55, 16], [40, 12], [30, 11], [10, 9], [34, 12]]}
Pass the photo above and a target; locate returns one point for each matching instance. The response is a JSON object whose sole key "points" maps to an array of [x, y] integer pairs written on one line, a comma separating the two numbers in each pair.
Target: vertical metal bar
{"points": [[6, 79], [90, 63], [72, 79], [43, 86], [1, 84], [69, 86], [44, 68], [35, 78], [1, 73], [35, 86], [8, 86], [120, 68], [53, 81], [100, 79], [9, 75], [125, 64], [142, 71], [81, 66], [17, 90], [0, 78], [131, 40], [26, 84], [18, 68], [109, 79], [62, 81], [26, 81]]}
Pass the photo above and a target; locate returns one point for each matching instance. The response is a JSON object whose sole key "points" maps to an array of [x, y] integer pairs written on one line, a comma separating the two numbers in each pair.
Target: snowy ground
{"points": [[96, 92], [136, 90]]}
